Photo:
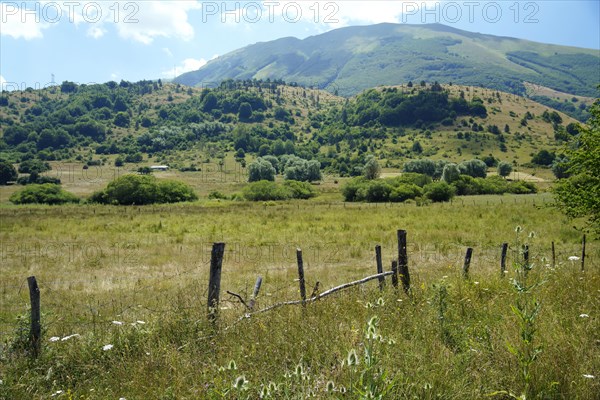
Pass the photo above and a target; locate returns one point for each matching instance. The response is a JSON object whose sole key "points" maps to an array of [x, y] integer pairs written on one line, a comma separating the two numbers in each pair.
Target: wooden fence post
{"points": [[379, 266], [553, 256], [301, 276], [583, 254], [36, 328], [403, 260], [255, 293], [467, 262], [503, 259], [214, 280], [395, 274]]}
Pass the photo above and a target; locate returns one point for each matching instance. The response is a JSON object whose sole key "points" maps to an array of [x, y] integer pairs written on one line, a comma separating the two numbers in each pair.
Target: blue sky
{"points": [[97, 41]]}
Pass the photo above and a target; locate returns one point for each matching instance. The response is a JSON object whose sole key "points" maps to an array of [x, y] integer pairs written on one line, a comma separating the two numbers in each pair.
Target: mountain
{"points": [[348, 60]]}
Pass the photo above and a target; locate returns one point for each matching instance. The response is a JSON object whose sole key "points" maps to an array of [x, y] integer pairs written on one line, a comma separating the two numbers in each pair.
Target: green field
{"points": [[449, 339]]}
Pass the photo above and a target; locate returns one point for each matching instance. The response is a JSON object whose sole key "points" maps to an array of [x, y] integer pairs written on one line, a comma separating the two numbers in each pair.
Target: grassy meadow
{"points": [[136, 278]]}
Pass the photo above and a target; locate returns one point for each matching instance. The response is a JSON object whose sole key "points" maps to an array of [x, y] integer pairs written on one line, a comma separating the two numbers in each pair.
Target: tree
{"points": [[245, 111], [47, 193], [579, 195], [261, 170], [372, 169], [8, 173], [504, 169], [451, 173], [475, 168], [439, 191], [543, 157], [423, 166]]}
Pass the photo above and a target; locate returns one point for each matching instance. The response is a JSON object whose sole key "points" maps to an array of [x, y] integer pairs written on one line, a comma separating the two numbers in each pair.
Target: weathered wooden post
{"points": [[301, 276], [395, 274], [403, 260], [255, 293], [379, 266], [467, 262], [214, 280], [553, 256], [35, 332], [583, 254], [503, 259]]}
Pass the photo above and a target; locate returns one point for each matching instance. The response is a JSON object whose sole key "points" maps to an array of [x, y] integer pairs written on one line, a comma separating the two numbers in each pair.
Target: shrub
{"points": [[450, 173], [300, 190], [47, 193], [405, 191], [439, 191], [8, 173], [504, 168], [143, 189], [264, 191]]}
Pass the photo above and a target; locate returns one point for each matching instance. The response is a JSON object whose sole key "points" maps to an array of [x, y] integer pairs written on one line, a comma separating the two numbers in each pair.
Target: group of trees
{"points": [[292, 167], [142, 190]]}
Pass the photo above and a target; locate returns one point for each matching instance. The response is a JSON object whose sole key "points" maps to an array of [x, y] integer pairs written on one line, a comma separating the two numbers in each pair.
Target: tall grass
{"points": [[101, 266]]}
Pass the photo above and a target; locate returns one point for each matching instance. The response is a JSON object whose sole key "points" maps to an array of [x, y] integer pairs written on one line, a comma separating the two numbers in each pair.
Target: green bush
{"points": [[396, 189], [264, 191], [142, 190], [300, 190], [439, 191], [405, 191], [47, 193]]}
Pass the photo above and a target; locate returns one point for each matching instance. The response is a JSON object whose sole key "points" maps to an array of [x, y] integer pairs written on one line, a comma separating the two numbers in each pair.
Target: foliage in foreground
{"points": [[579, 195], [142, 190], [47, 193]]}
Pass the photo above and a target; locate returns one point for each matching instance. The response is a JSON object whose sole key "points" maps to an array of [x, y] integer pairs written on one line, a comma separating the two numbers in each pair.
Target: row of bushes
{"points": [[268, 190], [413, 186]]}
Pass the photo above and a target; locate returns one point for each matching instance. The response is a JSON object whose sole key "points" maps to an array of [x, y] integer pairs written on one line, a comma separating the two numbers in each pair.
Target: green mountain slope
{"points": [[349, 60]]}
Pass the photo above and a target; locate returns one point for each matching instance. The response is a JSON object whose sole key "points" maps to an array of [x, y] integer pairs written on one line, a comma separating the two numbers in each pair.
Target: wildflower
{"points": [[54, 339], [588, 376], [117, 323], [330, 386], [584, 316], [107, 347], [352, 358], [70, 337], [573, 258], [240, 383]]}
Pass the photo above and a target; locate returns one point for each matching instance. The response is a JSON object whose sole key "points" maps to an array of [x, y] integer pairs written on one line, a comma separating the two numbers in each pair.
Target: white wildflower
{"points": [[70, 337], [107, 347]]}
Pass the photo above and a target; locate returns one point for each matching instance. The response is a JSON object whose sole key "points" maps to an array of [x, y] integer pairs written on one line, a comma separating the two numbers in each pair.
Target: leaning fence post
{"points": [[255, 293], [379, 266], [395, 274], [36, 328], [301, 276], [467, 262], [403, 260], [214, 280], [503, 259], [583, 254]]}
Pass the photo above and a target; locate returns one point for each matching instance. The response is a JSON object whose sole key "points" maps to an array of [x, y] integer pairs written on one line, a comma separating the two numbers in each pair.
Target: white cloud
{"points": [[154, 19], [96, 32], [189, 64], [18, 22]]}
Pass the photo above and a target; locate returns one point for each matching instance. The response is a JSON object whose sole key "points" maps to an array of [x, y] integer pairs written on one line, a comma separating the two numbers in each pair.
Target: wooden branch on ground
{"points": [[317, 297]]}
